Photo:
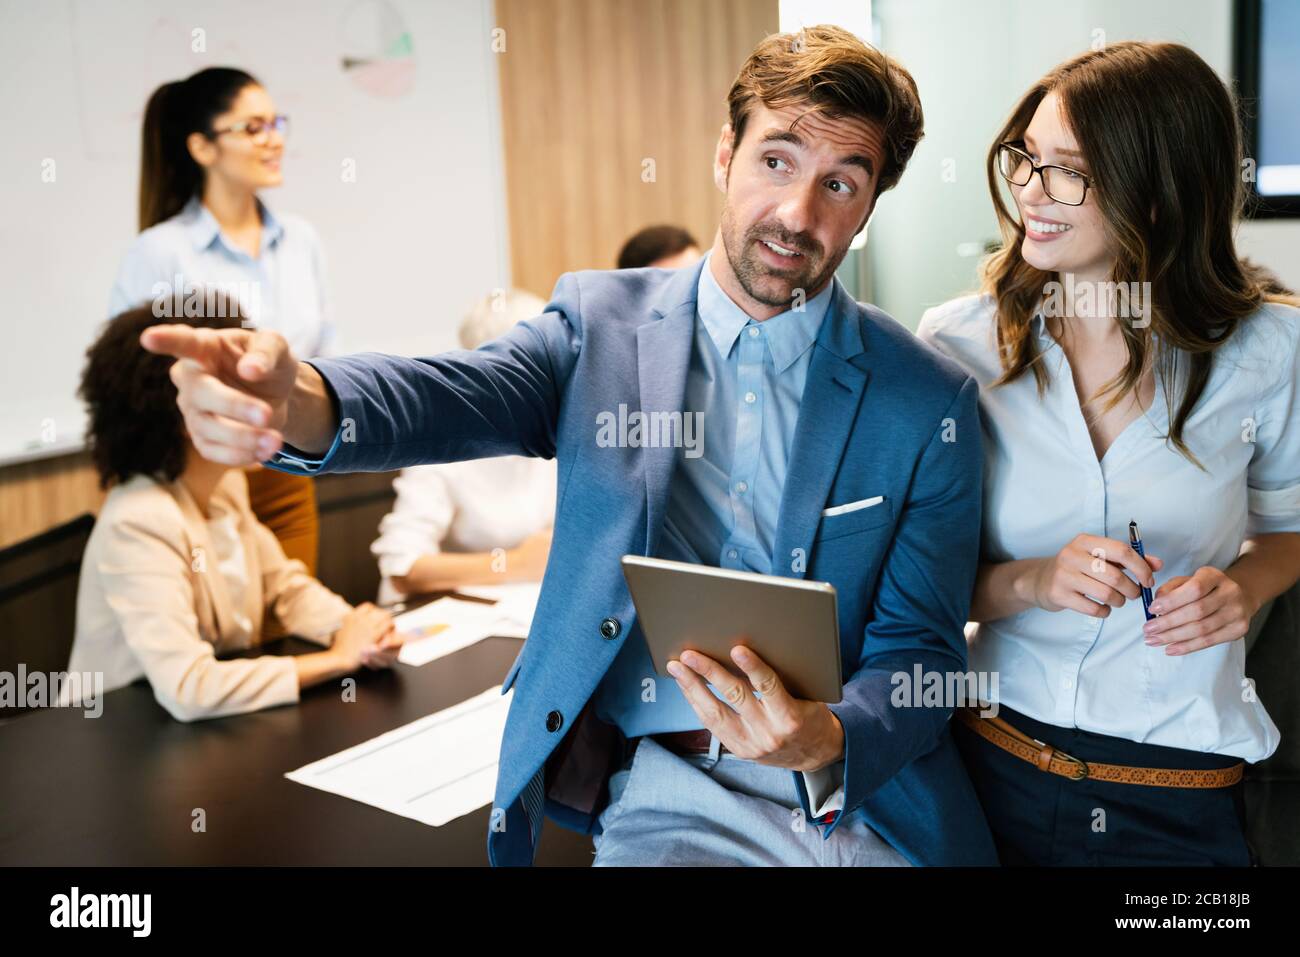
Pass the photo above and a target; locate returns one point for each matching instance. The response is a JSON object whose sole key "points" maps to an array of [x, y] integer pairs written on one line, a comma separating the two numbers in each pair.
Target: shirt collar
{"points": [[200, 223], [1038, 326], [789, 335], [204, 229]]}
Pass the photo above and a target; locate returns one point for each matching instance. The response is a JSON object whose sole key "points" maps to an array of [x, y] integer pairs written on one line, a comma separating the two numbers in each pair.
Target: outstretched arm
{"points": [[245, 397], [243, 394]]}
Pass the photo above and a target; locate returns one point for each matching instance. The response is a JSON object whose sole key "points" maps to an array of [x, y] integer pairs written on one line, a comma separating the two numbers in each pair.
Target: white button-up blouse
{"points": [[1044, 485]]}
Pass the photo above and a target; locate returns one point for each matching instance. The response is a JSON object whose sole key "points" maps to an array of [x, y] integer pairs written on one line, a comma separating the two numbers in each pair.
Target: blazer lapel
{"points": [[827, 413], [663, 359]]}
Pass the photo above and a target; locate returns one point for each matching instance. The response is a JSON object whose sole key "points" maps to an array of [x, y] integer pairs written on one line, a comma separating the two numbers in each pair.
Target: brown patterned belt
{"points": [[1050, 759]]}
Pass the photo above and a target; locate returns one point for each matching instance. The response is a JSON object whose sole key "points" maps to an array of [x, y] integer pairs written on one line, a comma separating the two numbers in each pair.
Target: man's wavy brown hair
{"points": [[830, 71]]}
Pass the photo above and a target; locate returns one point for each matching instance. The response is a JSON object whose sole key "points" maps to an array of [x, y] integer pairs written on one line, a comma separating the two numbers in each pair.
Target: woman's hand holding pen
{"points": [[1089, 576], [1199, 610]]}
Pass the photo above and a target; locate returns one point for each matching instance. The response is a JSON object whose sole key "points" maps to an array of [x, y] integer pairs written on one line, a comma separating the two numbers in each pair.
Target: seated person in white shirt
{"points": [[470, 523], [178, 573]]}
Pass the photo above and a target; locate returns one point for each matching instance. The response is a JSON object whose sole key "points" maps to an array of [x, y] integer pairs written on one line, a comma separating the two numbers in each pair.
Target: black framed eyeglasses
{"points": [[1063, 185], [257, 129]]}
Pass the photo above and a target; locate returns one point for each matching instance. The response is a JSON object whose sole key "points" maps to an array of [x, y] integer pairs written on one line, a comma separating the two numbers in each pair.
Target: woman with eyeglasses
{"points": [[212, 142], [1133, 369]]}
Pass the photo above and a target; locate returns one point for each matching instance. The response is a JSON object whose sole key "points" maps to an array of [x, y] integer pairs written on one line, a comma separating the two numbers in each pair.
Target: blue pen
{"points": [[1135, 540]]}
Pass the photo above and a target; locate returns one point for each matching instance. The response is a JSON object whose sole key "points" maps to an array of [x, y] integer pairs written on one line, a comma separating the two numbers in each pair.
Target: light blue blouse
{"points": [[283, 288], [1044, 485]]}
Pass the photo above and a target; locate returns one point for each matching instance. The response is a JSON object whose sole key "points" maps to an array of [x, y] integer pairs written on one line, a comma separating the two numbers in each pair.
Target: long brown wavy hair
{"points": [[1163, 142]]}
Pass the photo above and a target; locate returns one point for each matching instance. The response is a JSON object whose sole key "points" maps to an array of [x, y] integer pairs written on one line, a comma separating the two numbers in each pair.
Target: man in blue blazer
{"points": [[744, 412]]}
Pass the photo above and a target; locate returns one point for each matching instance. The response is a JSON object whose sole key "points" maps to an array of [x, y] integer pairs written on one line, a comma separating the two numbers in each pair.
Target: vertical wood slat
{"points": [[36, 496], [591, 88]]}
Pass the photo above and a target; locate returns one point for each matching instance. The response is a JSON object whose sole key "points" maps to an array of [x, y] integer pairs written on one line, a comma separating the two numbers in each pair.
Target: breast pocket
{"points": [[513, 673], [853, 517]]}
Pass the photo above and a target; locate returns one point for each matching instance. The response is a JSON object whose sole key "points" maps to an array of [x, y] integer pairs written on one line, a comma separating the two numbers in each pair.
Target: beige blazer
{"points": [[152, 602]]}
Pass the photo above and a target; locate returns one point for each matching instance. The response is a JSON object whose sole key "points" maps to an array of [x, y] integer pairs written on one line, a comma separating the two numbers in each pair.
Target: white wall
{"points": [[972, 62], [410, 244]]}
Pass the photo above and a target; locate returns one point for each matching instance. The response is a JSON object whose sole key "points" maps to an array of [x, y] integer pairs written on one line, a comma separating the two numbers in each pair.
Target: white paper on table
{"points": [[443, 626], [433, 770], [515, 604]]}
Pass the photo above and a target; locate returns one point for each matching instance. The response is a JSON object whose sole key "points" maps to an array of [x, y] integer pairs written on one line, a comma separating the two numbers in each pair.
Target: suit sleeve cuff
{"points": [[825, 789], [296, 462]]}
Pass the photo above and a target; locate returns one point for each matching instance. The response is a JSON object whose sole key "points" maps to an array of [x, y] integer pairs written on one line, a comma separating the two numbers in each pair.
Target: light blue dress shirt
{"points": [[1044, 485], [747, 379], [282, 288]]}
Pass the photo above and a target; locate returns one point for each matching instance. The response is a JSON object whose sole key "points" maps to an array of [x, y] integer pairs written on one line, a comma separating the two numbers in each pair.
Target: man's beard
{"points": [[758, 279]]}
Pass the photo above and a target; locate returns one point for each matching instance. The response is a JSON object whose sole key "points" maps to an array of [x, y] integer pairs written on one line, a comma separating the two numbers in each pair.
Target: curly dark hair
{"points": [[135, 426]]}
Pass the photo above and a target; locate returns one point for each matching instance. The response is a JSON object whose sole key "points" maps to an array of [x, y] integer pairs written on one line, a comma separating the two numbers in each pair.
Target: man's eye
{"points": [[771, 160], [844, 187]]}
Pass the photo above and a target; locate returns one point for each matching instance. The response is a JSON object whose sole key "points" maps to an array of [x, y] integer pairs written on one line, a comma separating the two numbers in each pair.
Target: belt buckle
{"points": [[1070, 758], [715, 748]]}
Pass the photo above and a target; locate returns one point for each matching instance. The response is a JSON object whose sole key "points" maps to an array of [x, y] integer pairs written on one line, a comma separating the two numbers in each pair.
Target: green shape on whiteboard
{"points": [[401, 47]]}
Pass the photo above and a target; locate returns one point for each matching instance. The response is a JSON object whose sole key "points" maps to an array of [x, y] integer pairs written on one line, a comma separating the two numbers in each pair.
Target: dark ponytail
{"points": [[168, 174]]}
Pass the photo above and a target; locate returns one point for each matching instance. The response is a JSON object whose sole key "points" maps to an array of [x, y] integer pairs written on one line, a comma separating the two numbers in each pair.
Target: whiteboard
{"points": [[405, 91]]}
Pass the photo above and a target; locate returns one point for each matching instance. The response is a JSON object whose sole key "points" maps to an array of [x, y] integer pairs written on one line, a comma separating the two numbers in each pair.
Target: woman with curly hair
{"points": [[178, 572]]}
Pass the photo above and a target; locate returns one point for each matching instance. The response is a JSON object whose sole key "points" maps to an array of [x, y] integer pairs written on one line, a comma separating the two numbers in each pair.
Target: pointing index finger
{"points": [[174, 339]]}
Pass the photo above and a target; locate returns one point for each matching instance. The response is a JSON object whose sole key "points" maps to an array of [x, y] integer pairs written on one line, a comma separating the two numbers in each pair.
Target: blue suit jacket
{"points": [[882, 414]]}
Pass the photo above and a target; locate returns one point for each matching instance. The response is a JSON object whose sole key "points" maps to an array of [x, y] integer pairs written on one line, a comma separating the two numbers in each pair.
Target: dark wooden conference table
{"points": [[121, 789]]}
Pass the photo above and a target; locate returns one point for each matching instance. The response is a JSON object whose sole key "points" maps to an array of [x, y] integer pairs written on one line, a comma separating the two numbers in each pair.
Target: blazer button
{"points": [[610, 628], [554, 721]]}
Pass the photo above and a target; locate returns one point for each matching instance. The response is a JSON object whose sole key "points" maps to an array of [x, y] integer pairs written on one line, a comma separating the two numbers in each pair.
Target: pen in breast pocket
{"points": [[1135, 540]]}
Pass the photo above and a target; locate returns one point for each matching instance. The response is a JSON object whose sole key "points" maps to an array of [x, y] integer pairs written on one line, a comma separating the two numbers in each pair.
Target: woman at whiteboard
{"points": [[211, 143]]}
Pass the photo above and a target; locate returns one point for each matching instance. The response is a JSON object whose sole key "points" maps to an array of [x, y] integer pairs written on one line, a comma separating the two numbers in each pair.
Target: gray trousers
{"points": [[699, 810]]}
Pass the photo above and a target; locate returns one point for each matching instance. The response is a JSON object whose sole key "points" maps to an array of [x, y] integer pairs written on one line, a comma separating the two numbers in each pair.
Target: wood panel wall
{"points": [[38, 495], [590, 90]]}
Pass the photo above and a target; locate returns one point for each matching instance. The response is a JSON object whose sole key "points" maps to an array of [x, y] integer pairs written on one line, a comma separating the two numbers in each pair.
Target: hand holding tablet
{"points": [[790, 624]]}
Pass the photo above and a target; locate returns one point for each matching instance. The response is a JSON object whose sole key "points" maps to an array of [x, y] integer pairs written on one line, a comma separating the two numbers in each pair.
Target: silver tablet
{"points": [[791, 624]]}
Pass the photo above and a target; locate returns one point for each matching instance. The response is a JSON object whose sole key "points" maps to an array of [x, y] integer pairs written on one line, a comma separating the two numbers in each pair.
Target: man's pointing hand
{"points": [[233, 388]]}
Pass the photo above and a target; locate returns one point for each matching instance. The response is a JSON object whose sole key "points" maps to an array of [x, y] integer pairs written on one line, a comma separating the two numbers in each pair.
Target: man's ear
{"points": [[722, 157], [202, 149]]}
